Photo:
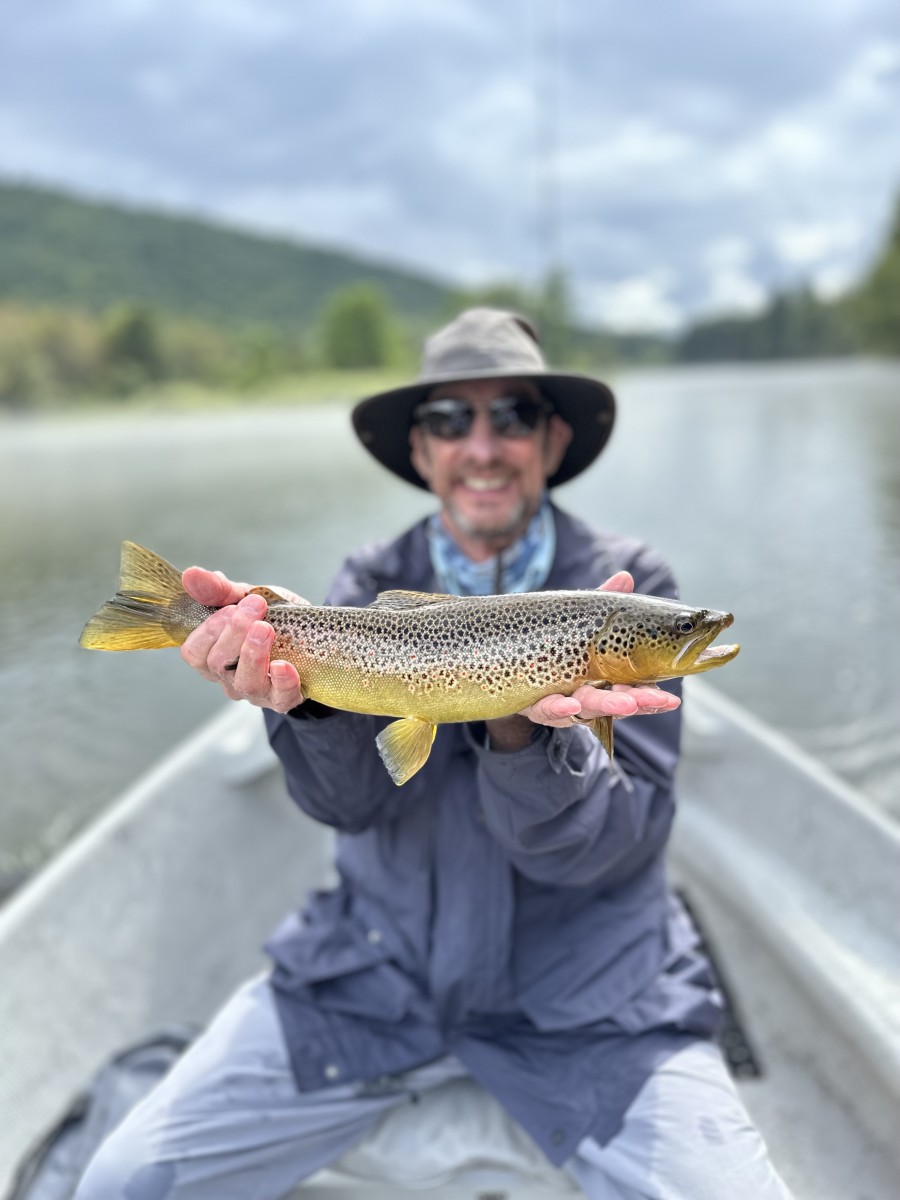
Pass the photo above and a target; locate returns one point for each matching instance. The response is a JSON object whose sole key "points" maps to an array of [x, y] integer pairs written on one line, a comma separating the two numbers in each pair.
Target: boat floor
{"points": [[814, 1136], [102, 948]]}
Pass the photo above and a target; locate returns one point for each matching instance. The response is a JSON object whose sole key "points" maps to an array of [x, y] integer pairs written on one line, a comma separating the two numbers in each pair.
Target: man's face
{"points": [[489, 485]]}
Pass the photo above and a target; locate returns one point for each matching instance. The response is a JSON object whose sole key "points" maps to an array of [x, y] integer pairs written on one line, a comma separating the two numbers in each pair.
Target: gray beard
{"points": [[507, 532]]}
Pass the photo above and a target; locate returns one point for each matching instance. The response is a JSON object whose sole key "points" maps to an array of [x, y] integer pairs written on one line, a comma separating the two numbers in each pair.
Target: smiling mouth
{"points": [[493, 483]]}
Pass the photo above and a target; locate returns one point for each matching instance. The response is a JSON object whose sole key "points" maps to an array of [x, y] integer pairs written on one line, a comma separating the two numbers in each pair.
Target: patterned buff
{"points": [[522, 567]]}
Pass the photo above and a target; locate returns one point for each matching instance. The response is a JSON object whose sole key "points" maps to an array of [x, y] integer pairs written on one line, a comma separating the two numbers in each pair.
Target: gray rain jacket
{"points": [[509, 908]]}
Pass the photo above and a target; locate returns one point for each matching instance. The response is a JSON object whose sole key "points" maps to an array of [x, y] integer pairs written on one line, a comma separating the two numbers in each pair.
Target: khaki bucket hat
{"points": [[486, 343]]}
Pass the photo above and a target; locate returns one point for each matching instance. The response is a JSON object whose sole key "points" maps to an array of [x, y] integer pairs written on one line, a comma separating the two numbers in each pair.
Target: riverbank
{"points": [[315, 387]]}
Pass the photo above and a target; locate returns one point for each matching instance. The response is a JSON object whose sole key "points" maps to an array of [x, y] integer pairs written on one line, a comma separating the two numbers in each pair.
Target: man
{"points": [[505, 913]]}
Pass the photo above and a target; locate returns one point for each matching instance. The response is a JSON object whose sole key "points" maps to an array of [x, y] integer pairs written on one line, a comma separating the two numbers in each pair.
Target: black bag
{"points": [[52, 1169]]}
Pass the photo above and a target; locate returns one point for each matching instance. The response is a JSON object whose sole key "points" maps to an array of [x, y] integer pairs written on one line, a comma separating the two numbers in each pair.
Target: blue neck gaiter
{"points": [[523, 567]]}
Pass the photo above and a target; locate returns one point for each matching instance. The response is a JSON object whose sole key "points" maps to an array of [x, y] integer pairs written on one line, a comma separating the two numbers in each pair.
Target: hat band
{"points": [[468, 360]]}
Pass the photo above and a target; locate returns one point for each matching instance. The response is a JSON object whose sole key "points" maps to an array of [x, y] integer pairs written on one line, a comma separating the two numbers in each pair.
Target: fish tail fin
{"points": [[151, 609], [404, 746]]}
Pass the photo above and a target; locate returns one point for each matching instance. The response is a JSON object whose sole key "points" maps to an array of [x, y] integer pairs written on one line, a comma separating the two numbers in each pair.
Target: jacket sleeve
{"points": [[333, 771], [562, 811], [331, 764]]}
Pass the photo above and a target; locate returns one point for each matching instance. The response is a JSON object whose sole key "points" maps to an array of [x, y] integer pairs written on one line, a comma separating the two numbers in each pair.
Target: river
{"points": [[775, 491]]}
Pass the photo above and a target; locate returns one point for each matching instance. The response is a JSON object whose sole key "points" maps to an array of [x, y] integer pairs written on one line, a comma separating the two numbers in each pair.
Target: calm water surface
{"points": [[775, 492]]}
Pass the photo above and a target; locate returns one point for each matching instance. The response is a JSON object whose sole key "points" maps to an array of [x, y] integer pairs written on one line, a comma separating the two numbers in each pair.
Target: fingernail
{"points": [[258, 634], [253, 604]]}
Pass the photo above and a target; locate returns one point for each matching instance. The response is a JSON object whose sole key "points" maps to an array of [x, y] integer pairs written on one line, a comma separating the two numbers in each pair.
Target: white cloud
{"points": [[728, 253], [732, 286], [733, 291], [783, 146], [638, 147], [872, 75], [807, 245], [638, 303], [764, 153], [830, 282]]}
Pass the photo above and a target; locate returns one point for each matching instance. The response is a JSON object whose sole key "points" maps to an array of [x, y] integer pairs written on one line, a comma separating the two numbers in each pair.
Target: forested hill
{"points": [[67, 252]]}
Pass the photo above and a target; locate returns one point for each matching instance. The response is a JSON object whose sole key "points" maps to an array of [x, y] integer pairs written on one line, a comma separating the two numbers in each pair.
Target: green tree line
{"points": [[55, 355], [49, 355]]}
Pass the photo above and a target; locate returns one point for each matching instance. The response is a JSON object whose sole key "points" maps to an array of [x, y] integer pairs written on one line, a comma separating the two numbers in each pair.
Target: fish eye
{"points": [[685, 625]]}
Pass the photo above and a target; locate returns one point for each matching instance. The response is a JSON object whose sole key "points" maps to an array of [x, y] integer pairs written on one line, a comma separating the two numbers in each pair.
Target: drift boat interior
{"points": [[150, 918]]}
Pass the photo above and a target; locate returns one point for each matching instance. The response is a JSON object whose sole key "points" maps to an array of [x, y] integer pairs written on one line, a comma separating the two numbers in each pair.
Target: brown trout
{"points": [[431, 659]]}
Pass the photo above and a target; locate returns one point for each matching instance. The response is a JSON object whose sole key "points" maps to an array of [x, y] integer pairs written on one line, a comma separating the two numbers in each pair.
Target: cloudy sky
{"points": [[676, 158]]}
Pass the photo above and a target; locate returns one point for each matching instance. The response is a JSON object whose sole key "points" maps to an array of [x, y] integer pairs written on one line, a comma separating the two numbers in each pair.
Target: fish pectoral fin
{"points": [[400, 599], [273, 596], [602, 728], [404, 746]]}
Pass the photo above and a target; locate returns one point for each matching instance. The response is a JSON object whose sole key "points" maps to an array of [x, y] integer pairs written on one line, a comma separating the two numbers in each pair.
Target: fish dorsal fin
{"points": [[273, 596], [400, 599]]}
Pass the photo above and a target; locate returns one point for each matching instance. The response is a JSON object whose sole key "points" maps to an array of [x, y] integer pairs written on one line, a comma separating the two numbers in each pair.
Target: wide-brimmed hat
{"points": [[486, 343]]}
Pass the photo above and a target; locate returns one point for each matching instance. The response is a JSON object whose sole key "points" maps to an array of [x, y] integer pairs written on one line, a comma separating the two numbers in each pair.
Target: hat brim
{"points": [[382, 422]]}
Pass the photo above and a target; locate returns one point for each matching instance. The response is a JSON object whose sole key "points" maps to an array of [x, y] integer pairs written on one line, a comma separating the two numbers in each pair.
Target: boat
{"points": [[153, 915]]}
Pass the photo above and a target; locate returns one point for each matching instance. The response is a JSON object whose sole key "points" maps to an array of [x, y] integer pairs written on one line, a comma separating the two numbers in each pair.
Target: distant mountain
{"points": [[59, 250]]}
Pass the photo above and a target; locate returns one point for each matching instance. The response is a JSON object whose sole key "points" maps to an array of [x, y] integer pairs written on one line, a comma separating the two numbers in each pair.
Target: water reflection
{"points": [[774, 492]]}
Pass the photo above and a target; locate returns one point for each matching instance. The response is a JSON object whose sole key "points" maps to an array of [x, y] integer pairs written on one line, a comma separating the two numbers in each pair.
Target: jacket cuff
{"points": [[563, 750], [311, 710]]}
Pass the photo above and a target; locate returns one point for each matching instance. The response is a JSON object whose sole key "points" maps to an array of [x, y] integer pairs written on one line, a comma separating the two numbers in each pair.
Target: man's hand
{"points": [[232, 647], [621, 700]]}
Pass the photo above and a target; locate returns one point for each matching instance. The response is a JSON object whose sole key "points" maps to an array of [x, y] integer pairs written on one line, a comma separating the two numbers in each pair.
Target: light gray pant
{"points": [[228, 1123]]}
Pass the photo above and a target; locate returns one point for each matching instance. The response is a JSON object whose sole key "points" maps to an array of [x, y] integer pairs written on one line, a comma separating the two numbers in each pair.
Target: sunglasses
{"points": [[511, 416]]}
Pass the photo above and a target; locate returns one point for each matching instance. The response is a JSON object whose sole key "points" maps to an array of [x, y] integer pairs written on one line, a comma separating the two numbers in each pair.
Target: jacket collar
{"points": [[407, 563]]}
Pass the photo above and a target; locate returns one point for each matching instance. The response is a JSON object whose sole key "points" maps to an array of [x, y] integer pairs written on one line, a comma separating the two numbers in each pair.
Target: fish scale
{"points": [[435, 659]]}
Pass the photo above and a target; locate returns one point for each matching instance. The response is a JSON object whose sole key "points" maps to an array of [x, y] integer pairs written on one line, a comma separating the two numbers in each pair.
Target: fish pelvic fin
{"points": [[602, 728], [404, 746], [151, 609]]}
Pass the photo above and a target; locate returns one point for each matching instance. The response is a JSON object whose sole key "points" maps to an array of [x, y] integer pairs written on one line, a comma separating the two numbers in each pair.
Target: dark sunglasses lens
{"points": [[516, 416], [510, 417], [448, 419]]}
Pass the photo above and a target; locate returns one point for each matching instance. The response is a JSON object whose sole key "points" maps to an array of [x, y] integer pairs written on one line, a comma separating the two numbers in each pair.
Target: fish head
{"points": [[648, 639]]}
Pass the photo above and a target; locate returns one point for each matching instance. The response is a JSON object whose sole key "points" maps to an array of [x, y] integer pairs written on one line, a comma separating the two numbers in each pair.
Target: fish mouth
{"points": [[715, 656], [700, 655]]}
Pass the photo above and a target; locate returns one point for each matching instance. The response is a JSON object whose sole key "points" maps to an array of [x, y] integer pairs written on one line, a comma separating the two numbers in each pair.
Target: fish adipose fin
{"points": [[401, 599], [272, 596], [150, 611], [404, 746]]}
